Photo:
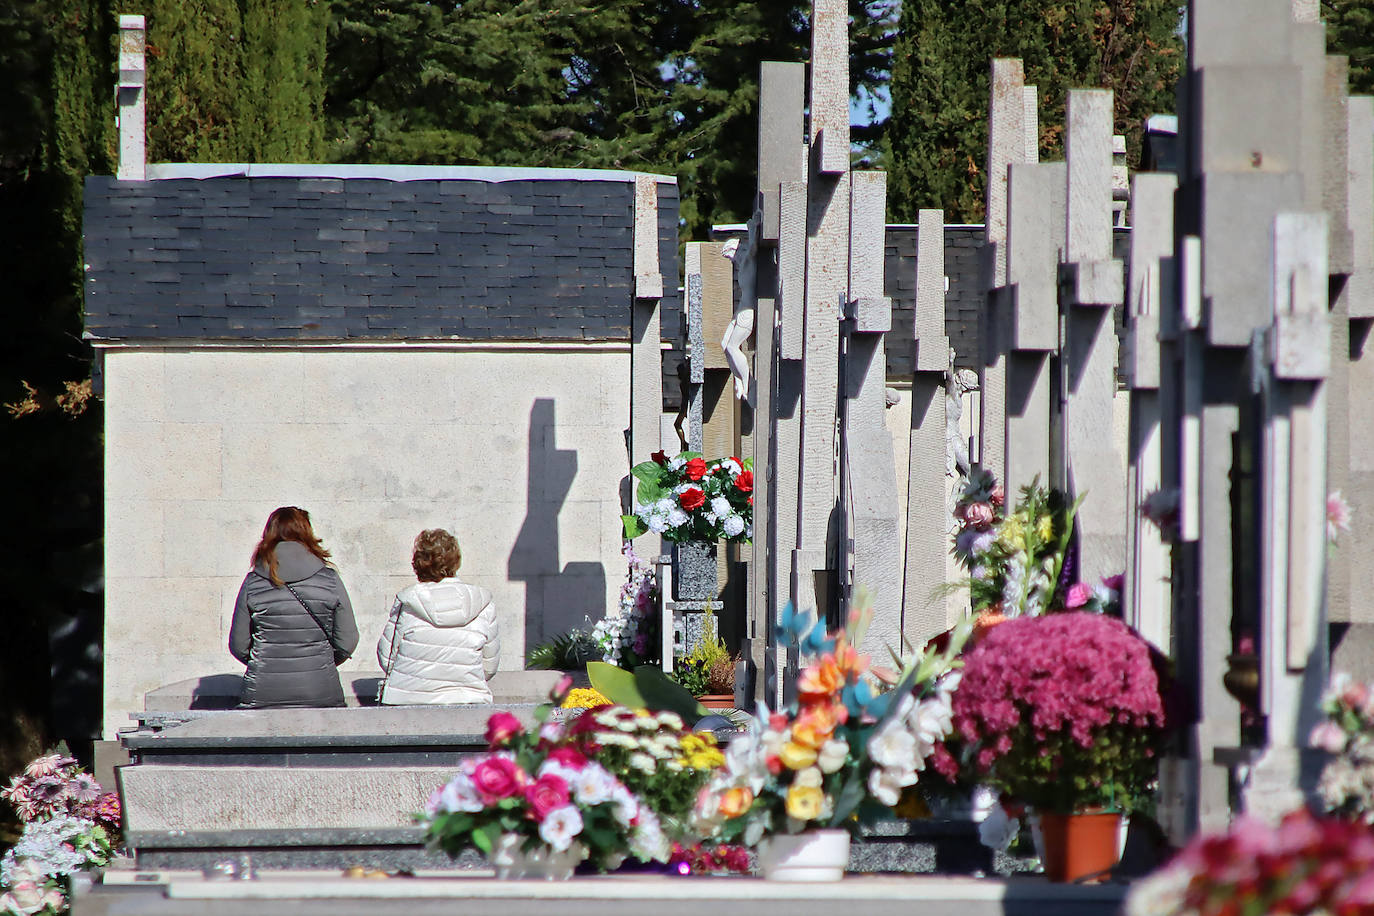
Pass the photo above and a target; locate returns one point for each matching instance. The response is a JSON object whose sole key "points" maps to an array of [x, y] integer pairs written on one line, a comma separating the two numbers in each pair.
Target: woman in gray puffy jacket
{"points": [[440, 643], [293, 623]]}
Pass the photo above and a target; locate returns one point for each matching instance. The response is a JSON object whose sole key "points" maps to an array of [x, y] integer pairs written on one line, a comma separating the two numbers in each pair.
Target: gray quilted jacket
{"points": [[291, 661]]}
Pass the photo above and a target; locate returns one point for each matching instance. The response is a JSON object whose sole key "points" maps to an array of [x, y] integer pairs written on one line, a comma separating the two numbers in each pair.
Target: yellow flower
{"points": [[583, 697], [736, 801], [1012, 534], [796, 756], [805, 802], [1044, 528], [707, 759]]}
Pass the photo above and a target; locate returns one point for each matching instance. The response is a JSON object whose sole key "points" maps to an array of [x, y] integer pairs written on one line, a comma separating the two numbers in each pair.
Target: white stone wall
{"points": [[518, 450]]}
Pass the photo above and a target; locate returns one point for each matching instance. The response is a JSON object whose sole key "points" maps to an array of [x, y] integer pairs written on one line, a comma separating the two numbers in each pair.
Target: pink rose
{"points": [[501, 727], [998, 495], [569, 757], [1079, 595], [1329, 737], [545, 794], [496, 778], [560, 690], [979, 515]]}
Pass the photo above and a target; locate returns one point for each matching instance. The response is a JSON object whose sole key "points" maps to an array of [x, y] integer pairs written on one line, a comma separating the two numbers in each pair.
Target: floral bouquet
{"points": [[1014, 561], [1347, 781], [631, 638], [843, 753], [687, 498], [70, 825], [1062, 712], [568, 792], [1307, 865]]}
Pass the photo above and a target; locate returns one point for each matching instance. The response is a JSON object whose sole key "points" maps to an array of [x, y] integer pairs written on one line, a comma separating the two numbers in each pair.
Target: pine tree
{"points": [[634, 84], [937, 135], [1350, 31]]}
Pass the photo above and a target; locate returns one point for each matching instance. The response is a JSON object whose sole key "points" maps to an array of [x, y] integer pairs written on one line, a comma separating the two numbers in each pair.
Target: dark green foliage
{"points": [[1350, 31], [55, 62], [562, 652], [234, 80], [667, 87], [936, 144]]}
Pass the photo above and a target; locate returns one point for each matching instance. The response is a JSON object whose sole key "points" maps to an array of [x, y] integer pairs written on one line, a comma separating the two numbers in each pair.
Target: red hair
{"points": [[288, 523]]}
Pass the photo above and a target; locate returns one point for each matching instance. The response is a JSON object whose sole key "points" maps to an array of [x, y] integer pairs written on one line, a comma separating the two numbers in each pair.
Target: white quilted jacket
{"points": [[440, 644]]}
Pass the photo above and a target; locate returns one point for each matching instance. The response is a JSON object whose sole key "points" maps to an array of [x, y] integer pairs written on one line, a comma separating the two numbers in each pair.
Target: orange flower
{"points": [[736, 801], [847, 658], [816, 723], [821, 680]]}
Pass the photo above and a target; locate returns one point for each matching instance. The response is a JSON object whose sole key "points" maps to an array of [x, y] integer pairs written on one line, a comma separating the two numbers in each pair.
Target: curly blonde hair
{"points": [[436, 555]]}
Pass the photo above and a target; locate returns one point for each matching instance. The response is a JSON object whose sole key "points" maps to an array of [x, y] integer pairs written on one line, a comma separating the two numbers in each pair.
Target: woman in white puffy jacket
{"points": [[440, 643]]}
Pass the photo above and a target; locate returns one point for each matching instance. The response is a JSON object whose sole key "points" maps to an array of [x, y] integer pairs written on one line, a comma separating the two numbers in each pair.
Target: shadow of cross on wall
{"points": [[557, 598]]}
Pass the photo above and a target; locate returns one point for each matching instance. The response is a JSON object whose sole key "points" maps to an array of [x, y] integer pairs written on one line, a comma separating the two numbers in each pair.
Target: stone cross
{"points": [[927, 524]]}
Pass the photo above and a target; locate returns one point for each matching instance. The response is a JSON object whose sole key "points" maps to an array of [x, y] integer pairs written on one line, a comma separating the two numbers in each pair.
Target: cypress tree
{"points": [[234, 80], [937, 135]]}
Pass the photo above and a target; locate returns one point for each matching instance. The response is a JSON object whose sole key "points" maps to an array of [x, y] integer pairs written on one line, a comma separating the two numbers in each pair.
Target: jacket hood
{"points": [[447, 603], [294, 563]]}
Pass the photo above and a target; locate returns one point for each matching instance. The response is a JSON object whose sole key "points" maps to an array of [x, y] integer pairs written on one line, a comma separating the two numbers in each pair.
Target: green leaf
{"points": [[849, 799], [661, 692], [615, 684], [648, 471], [484, 837], [649, 491], [634, 527]]}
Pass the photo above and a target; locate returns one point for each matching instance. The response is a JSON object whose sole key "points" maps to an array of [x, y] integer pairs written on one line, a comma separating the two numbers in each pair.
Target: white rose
{"points": [[884, 786], [560, 826], [832, 755], [808, 778]]}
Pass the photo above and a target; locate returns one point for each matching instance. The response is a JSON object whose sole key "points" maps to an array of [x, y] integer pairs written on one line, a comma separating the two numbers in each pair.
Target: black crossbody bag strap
{"points": [[328, 631]]}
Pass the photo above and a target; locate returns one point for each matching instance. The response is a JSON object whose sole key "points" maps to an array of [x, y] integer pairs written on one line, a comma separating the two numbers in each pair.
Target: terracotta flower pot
{"points": [[1080, 846], [717, 700]]}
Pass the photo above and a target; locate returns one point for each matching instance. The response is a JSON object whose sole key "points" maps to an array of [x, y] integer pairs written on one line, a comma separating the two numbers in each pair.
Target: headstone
{"points": [[927, 525]]}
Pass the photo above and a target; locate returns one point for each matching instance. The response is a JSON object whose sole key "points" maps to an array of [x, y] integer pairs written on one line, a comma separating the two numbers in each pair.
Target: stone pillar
{"points": [[867, 472], [696, 342], [646, 351], [129, 95], [1093, 284], [782, 158], [1006, 144], [1146, 596], [1035, 237], [924, 611], [815, 560]]}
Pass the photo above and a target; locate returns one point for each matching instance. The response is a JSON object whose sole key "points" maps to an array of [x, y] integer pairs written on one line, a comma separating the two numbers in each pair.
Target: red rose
{"points": [[691, 498], [745, 481], [545, 794], [659, 458], [501, 727], [569, 757], [695, 469], [496, 778]]}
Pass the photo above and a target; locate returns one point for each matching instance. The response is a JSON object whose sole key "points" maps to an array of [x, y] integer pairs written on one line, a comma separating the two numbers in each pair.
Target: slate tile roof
{"points": [[328, 258]]}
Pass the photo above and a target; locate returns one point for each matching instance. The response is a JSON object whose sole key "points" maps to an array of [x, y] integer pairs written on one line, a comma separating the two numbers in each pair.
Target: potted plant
{"points": [[800, 780], [1063, 713], [707, 672], [603, 785]]}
